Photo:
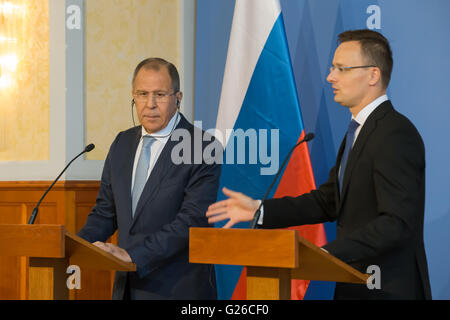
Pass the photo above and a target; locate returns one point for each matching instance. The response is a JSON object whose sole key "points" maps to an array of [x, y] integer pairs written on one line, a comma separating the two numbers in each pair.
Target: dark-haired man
{"points": [[152, 201], [375, 192]]}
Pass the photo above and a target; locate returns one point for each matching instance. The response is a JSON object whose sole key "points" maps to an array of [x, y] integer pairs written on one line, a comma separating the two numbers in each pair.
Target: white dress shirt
{"points": [[161, 138], [362, 116]]}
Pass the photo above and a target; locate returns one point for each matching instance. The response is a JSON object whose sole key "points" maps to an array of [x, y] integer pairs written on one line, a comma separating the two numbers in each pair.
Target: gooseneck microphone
{"points": [[88, 148], [308, 137]]}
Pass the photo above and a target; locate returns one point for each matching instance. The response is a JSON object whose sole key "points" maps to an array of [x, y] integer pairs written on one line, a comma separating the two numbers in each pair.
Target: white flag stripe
{"points": [[253, 21]]}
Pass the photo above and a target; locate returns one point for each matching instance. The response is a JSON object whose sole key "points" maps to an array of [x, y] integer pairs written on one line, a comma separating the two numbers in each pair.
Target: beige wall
{"points": [[119, 34], [24, 90]]}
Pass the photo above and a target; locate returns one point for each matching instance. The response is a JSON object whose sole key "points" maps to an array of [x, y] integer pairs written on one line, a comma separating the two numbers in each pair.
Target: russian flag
{"points": [[259, 92]]}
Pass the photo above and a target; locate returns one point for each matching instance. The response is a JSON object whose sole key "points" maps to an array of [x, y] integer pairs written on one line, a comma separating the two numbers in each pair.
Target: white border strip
{"points": [[186, 36], [81, 169]]}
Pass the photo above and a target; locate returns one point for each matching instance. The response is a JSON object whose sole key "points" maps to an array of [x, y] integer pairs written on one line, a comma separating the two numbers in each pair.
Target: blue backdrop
{"points": [[418, 31]]}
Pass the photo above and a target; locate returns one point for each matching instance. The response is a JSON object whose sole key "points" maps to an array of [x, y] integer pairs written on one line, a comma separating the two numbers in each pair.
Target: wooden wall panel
{"points": [[69, 203], [10, 267]]}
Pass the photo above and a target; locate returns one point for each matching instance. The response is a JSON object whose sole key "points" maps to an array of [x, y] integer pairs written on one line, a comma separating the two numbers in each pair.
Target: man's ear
{"points": [[375, 76], [179, 97]]}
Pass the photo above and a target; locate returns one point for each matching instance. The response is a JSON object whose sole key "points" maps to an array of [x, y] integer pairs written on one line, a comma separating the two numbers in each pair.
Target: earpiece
{"points": [[132, 114]]}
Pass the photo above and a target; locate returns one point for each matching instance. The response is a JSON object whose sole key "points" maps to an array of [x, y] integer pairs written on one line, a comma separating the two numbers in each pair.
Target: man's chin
{"points": [[336, 99], [153, 127], [340, 101]]}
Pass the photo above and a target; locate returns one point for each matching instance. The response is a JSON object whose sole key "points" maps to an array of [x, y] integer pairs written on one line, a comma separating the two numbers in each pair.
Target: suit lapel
{"points": [[127, 170], [364, 134], [159, 171]]}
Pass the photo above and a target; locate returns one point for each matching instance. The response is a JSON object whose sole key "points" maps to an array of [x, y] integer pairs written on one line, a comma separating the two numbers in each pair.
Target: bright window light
{"points": [[7, 40], [8, 63], [5, 81], [7, 8]]}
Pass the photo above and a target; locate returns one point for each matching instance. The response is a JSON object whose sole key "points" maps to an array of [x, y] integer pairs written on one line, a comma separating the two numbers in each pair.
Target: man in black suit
{"points": [[375, 192], [151, 198]]}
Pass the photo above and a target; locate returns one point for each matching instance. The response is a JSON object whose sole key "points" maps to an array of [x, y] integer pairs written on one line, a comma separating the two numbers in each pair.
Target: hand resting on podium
{"points": [[114, 250]]}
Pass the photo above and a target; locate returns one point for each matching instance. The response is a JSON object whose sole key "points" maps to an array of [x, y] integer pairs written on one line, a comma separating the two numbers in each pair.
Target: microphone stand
{"points": [[254, 223], [35, 211]]}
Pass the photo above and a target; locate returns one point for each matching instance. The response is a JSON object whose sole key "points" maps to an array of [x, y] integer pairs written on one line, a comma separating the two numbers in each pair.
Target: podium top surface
{"points": [[274, 248], [54, 241], [263, 248]]}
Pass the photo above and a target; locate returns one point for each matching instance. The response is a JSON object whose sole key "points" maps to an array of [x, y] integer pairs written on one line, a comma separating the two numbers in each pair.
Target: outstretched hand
{"points": [[237, 208]]}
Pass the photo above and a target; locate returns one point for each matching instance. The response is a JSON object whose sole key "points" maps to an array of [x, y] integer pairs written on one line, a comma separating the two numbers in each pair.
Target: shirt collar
{"points": [[362, 116]]}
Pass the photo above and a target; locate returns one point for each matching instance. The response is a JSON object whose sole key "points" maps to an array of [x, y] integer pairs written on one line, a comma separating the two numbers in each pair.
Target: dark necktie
{"points": [[348, 146]]}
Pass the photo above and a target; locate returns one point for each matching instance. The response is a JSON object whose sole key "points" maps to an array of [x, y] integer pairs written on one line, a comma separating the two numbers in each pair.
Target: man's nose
{"points": [[331, 77], [151, 102]]}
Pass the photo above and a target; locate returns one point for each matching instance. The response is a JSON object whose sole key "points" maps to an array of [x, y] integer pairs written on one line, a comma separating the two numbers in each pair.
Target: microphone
{"points": [[308, 137], [88, 148]]}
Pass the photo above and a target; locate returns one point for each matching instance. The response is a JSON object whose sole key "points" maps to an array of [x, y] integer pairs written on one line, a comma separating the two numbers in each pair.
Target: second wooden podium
{"points": [[272, 257], [51, 250]]}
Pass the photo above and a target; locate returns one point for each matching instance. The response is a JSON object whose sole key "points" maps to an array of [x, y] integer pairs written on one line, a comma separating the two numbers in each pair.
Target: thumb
{"points": [[230, 193]]}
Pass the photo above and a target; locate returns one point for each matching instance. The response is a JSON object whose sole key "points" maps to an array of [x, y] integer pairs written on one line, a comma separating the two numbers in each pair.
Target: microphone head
{"points": [[308, 137], [89, 147]]}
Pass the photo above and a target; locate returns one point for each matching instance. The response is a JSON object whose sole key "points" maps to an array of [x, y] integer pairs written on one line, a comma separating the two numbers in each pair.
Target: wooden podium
{"points": [[52, 249], [272, 257]]}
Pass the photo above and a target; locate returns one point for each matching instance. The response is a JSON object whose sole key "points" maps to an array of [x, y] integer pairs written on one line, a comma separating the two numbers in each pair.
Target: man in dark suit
{"points": [[375, 192], [151, 199]]}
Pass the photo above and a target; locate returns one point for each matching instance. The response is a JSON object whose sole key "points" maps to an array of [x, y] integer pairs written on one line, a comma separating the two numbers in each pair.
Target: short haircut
{"points": [[375, 49], [156, 64]]}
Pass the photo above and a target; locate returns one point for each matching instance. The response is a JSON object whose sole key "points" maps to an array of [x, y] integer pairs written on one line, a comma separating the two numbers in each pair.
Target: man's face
{"points": [[155, 115], [350, 86]]}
